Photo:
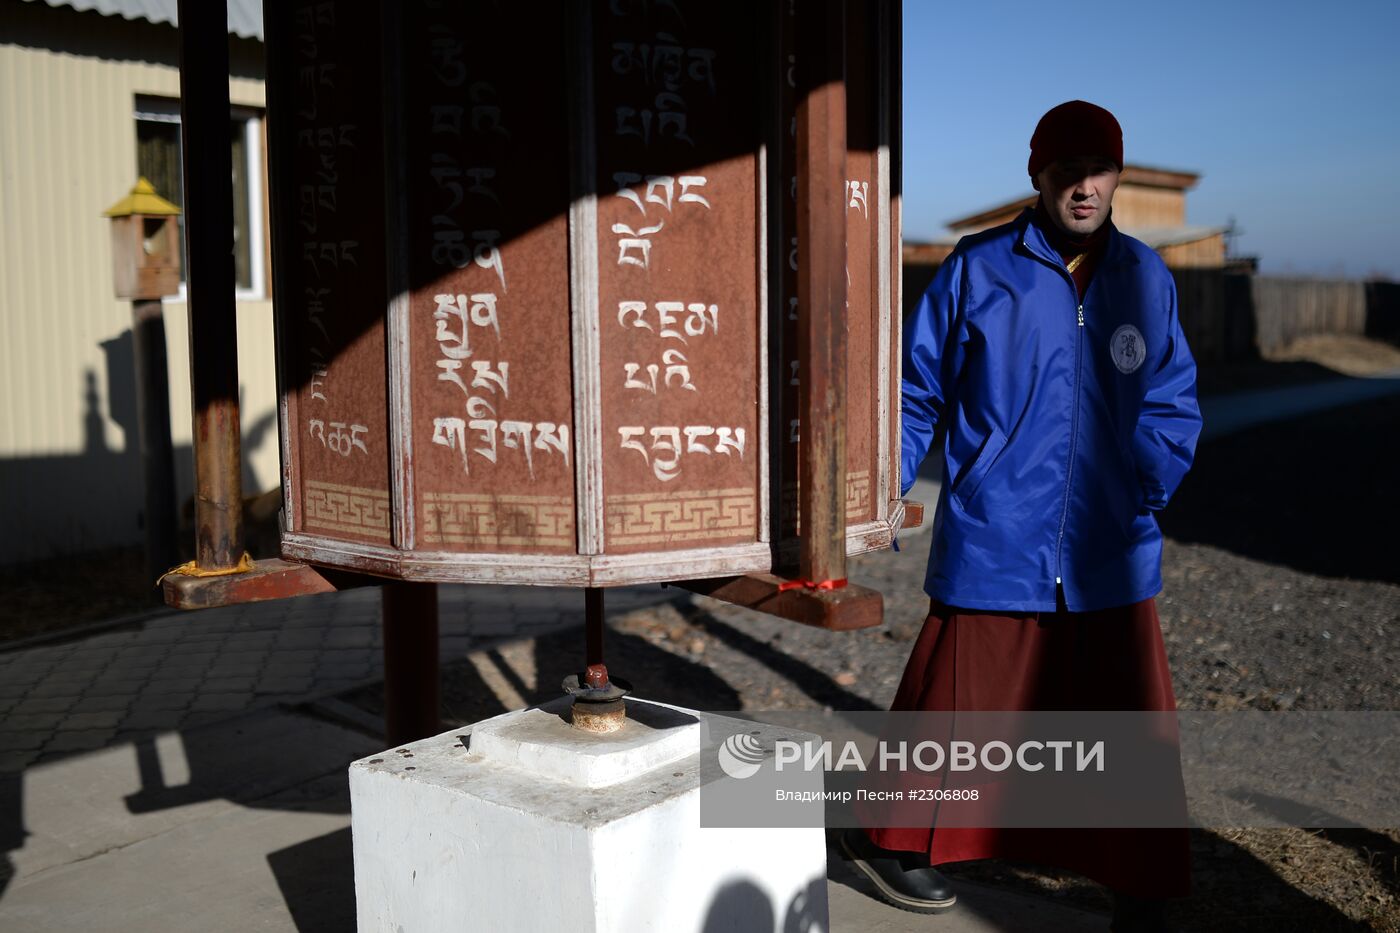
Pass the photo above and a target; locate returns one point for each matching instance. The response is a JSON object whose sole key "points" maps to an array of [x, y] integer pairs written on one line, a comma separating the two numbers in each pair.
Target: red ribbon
{"points": [[812, 585]]}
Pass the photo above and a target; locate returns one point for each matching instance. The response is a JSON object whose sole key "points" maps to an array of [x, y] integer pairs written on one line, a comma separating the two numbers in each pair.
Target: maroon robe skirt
{"points": [[1111, 659]]}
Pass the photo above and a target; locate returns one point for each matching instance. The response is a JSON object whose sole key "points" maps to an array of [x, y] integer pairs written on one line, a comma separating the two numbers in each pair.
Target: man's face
{"points": [[1078, 192]]}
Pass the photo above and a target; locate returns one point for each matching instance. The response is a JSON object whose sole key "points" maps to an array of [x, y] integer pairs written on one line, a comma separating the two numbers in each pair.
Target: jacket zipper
{"points": [[1074, 417], [1073, 431]]}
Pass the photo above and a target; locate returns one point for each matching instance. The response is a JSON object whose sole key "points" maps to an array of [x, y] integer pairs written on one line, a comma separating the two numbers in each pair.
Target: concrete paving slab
{"points": [[212, 873], [236, 818], [84, 805], [291, 872], [1222, 415], [244, 825], [1239, 411]]}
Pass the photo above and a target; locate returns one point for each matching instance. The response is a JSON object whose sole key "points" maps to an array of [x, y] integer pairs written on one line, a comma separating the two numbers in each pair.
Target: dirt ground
{"points": [[1282, 591], [1315, 358]]}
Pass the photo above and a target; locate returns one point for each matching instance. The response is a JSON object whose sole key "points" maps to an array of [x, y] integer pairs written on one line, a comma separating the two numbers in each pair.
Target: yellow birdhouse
{"points": [[145, 244]]}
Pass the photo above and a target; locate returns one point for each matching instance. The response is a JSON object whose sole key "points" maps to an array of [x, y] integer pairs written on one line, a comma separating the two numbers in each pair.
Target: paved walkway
{"points": [[177, 670], [179, 746], [1227, 414], [167, 774]]}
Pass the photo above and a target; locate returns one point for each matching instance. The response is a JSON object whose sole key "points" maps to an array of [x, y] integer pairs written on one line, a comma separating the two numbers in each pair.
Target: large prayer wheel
{"points": [[536, 286]]}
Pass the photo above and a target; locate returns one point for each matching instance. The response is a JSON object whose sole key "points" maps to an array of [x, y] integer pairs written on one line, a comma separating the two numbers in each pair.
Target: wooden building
{"points": [[1150, 205]]}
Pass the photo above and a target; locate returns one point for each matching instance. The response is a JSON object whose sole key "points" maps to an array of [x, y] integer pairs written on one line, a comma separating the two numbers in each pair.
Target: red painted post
{"points": [[209, 282], [411, 672], [821, 288]]}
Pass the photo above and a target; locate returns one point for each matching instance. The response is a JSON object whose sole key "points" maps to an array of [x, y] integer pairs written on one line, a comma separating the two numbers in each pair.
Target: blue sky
{"points": [[1290, 112]]}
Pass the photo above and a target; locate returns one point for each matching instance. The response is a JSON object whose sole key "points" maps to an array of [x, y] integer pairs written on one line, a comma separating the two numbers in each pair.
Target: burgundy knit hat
{"points": [[1075, 128]]}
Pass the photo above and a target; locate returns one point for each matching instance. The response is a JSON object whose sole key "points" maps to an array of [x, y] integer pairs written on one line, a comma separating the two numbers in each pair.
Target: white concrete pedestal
{"points": [[522, 823]]}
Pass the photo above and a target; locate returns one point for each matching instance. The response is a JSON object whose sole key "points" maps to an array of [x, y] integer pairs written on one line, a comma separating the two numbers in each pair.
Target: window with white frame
{"points": [[158, 161]]}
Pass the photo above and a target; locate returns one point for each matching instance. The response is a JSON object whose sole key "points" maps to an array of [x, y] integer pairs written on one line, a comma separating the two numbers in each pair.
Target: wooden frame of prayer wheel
{"points": [[537, 284]]}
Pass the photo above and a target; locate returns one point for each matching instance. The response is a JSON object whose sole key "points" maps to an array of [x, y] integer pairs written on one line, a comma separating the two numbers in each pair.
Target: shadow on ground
{"points": [[317, 880], [1232, 890], [1235, 888], [1317, 493], [1214, 378]]}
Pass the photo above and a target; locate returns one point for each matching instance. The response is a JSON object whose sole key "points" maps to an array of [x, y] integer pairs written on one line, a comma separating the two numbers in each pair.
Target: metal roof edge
{"points": [[244, 16]]}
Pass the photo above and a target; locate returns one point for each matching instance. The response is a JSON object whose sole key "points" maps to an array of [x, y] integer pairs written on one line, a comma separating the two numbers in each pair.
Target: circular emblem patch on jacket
{"points": [[1127, 348]]}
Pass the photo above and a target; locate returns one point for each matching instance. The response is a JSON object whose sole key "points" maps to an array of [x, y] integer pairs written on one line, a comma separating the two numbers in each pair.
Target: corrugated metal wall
{"points": [[69, 475]]}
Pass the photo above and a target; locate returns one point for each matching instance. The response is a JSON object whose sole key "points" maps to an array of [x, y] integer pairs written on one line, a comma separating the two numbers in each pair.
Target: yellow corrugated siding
{"points": [[68, 150]]}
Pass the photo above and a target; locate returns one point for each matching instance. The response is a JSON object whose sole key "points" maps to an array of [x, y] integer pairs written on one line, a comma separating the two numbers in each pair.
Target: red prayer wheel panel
{"points": [[536, 287]]}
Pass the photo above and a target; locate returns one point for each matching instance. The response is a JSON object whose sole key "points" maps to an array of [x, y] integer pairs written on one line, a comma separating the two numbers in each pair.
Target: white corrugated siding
{"points": [[244, 16], [69, 475]]}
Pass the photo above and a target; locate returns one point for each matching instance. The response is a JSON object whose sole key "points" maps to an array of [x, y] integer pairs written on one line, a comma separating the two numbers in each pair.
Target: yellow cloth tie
{"points": [[191, 569]]}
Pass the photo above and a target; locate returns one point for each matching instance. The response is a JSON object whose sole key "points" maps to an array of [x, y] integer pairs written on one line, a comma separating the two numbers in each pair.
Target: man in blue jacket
{"points": [[1048, 358]]}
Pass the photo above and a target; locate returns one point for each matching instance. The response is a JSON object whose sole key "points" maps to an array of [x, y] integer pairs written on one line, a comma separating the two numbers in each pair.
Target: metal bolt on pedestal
{"points": [[598, 705]]}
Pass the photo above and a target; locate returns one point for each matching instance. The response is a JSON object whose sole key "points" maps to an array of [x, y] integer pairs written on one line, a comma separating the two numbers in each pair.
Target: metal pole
{"points": [[598, 705], [209, 282], [411, 672], [821, 286], [153, 430], [595, 671]]}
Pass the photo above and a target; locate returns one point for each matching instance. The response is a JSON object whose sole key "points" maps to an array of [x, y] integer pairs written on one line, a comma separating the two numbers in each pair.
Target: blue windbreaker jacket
{"points": [[1067, 425]]}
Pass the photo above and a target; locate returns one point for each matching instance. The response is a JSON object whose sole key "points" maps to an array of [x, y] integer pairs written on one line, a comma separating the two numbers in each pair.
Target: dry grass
{"points": [[1344, 354], [1266, 880]]}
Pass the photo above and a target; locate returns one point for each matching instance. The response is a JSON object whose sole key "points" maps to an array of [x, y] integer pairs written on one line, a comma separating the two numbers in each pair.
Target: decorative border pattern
{"points": [[857, 501], [348, 509], [686, 516], [495, 521], [857, 495]]}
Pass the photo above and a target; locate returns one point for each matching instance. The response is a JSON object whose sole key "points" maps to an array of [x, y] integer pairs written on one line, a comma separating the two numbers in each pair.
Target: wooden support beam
{"points": [[209, 282], [821, 287], [851, 607], [411, 673], [269, 579]]}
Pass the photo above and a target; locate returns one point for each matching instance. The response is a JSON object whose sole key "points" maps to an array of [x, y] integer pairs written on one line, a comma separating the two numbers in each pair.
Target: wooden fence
{"points": [[1286, 309], [1201, 305], [1235, 315]]}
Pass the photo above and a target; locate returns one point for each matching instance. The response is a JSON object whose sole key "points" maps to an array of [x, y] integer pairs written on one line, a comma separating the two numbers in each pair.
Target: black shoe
{"points": [[921, 890], [1139, 915]]}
